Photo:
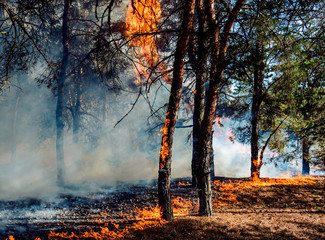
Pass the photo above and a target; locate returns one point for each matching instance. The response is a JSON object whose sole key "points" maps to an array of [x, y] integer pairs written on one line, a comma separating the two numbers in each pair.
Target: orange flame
{"points": [[182, 207], [228, 189], [150, 216], [141, 24], [164, 146], [144, 218]]}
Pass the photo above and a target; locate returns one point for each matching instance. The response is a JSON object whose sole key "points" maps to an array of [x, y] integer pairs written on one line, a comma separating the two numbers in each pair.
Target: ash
{"points": [[78, 209]]}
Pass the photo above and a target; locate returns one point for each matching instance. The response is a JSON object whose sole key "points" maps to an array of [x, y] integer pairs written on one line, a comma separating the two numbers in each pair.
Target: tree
{"points": [[164, 176], [270, 32], [199, 64], [60, 93], [302, 67], [218, 46], [21, 25]]}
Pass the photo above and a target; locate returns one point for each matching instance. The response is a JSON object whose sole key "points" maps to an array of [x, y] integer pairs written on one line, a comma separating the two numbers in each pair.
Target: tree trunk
{"points": [[199, 94], [203, 173], [305, 156], [211, 157], [218, 52], [256, 163], [60, 96], [76, 111], [171, 116], [204, 181]]}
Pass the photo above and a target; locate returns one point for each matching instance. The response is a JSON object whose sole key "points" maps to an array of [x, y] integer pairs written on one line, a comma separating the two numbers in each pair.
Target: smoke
{"points": [[104, 155]]}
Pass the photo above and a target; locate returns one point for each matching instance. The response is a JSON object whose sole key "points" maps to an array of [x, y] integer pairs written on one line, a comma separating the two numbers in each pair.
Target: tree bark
{"points": [[256, 162], [164, 199], [76, 110], [211, 157], [60, 96], [199, 94], [305, 156], [218, 50]]}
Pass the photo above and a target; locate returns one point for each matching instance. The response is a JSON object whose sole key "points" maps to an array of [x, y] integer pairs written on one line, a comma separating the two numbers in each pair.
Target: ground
{"points": [[266, 212], [242, 210]]}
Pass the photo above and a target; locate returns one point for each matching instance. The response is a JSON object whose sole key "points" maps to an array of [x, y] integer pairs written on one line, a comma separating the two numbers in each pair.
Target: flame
{"points": [[164, 146], [182, 207], [148, 217], [11, 237], [181, 184], [141, 23], [228, 189], [144, 218]]}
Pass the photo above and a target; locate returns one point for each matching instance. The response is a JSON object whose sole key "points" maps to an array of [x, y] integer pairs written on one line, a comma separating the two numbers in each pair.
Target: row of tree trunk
{"points": [[209, 34]]}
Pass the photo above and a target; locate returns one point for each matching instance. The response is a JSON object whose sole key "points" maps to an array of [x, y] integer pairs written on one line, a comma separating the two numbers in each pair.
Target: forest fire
{"points": [[141, 24], [131, 219], [142, 219], [228, 188], [164, 145], [221, 78]]}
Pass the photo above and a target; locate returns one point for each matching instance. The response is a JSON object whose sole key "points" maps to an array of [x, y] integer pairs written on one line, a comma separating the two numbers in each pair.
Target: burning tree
{"points": [[207, 40], [218, 45], [171, 115]]}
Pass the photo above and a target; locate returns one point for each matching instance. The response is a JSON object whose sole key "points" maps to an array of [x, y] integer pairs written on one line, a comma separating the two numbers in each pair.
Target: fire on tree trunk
{"points": [[171, 116], [256, 162]]}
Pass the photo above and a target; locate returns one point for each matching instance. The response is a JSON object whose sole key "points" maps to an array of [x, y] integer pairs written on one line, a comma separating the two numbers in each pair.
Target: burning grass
{"points": [[283, 208]]}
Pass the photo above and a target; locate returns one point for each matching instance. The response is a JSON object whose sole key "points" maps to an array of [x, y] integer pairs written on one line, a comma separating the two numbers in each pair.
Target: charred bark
{"points": [[305, 156], [211, 157], [256, 162], [200, 67], [218, 48], [60, 96], [164, 199]]}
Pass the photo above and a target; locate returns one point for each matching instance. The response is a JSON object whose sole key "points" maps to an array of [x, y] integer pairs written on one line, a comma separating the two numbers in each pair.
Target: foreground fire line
{"points": [[145, 218]]}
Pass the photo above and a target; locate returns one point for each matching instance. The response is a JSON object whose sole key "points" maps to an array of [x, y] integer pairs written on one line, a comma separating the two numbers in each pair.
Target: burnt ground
{"points": [[264, 212]]}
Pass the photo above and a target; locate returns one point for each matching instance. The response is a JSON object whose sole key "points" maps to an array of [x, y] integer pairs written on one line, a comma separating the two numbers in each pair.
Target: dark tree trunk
{"points": [[305, 156], [256, 162], [203, 173], [164, 199], [211, 157], [60, 95], [218, 48], [200, 68], [76, 110]]}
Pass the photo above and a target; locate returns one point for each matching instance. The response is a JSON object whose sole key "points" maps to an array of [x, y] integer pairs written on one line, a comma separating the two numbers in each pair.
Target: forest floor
{"points": [[281, 211], [270, 209]]}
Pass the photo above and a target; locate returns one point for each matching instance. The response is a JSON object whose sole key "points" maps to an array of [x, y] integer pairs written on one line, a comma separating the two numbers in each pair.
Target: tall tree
{"points": [[218, 46], [199, 64], [60, 94], [164, 198]]}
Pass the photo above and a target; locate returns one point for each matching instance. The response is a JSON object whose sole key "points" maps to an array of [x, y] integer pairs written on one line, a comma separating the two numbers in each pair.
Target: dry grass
{"points": [[271, 212]]}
